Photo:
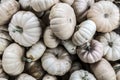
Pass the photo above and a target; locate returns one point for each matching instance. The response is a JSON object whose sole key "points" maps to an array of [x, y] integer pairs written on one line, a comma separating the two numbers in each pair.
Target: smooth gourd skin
{"points": [[36, 51], [84, 33], [81, 75], [111, 45], [69, 46], [49, 77], [56, 61], [105, 13], [7, 9], [70, 2], [91, 53], [25, 76], [42, 5], [24, 28], [103, 70], [61, 23], [12, 59], [50, 40]]}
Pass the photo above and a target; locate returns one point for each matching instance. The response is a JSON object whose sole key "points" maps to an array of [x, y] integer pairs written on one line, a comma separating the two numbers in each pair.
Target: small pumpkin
{"points": [[49, 77], [85, 32], [35, 69], [105, 14], [2, 73], [25, 4], [103, 70], [70, 2], [82, 75], [81, 8], [56, 61], [61, 23], [25, 28], [90, 52], [111, 44], [36, 51], [50, 39], [69, 46], [11, 59], [25, 76], [7, 9], [42, 5]]}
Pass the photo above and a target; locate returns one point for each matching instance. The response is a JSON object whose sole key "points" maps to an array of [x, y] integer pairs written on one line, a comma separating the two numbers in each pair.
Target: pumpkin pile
{"points": [[59, 40]]}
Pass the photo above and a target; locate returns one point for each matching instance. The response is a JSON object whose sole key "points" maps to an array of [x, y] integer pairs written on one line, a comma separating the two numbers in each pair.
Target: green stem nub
{"points": [[18, 29], [26, 60]]}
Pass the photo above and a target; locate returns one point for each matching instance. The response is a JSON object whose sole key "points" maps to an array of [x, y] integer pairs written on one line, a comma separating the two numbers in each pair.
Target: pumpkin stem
{"points": [[110, 44], [26, 60], [106, 15], [88, 46], [84, 78], [18, 29]]}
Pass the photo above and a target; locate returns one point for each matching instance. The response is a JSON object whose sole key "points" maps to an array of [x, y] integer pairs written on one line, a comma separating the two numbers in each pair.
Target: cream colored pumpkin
{"points": [[90, 52], [25, 28], [105, 0], [56, 61], [105, 14], [7, 9], [111, 44], [5, 39], [35, 69], [11, 59], [36, 51], [25, 76], [81, 8], [70, 2], [50, 39], [85, 33], [42, 5], [49, 77], [25, 4], [3, 79], [2, 73], [103, 70], [69, 46], [82, 75], [4, 1], [62, 20]]}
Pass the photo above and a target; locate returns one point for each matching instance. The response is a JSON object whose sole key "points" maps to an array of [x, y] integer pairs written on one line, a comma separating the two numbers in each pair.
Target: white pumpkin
{"points": [[42, 5], [85, 33], [7, 9], [12, 59], [25, 28], [111, 44], [82, 75], [3, 79], [103, 70], [70, 2], [61, 23], [69, 46], [105, 14], [25, 76], [36, 51], [25, 4], [105, 0], [50, 39], [56, 61], [4, 1], [81, 8], [49, 77], [2, 73]]}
